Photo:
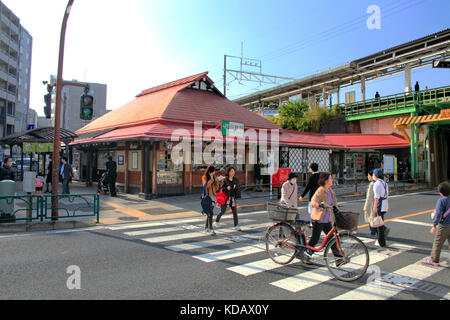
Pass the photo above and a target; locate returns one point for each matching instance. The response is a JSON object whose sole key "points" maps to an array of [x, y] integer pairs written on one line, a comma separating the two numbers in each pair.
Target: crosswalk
{"points": [[188, 236]]}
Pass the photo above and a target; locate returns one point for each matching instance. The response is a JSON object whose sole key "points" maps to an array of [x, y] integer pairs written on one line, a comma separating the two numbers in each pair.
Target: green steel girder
{"points": [[381, 114], [430, 101]]}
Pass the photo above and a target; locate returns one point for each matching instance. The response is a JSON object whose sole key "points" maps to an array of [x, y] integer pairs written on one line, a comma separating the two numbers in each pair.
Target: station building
{"points": [[144, 138]]}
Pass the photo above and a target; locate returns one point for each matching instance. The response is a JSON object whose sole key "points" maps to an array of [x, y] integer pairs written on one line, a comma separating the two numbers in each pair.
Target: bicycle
{"points": [[346, 256]]}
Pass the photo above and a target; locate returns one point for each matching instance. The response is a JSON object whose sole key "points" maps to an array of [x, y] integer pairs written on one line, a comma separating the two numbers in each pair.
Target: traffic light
{"points": [[48, 105], [441, 64], [86, 106]]}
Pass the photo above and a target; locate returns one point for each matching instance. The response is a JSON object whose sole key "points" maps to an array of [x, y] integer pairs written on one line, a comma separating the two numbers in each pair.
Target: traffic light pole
{"points": [[57, 131]]}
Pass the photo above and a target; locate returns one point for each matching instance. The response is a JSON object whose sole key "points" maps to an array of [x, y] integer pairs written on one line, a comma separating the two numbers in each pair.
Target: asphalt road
{"points": [[133, 261]]}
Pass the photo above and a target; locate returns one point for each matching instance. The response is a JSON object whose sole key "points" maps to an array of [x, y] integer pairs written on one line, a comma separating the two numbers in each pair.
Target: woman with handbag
{"points": [[210, 184], [380, 206], [322, 219], [230, 187], [368, 205]]}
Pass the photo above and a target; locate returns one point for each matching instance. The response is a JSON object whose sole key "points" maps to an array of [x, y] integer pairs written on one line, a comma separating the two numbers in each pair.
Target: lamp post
{"points": [[57, 140]]}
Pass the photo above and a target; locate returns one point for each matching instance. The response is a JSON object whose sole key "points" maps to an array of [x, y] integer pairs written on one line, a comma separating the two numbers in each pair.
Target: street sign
{"points": [[441, 64], [232, 129]]}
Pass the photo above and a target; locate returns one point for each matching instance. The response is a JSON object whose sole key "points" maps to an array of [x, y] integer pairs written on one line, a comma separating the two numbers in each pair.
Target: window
{"points": [[134, 162]]}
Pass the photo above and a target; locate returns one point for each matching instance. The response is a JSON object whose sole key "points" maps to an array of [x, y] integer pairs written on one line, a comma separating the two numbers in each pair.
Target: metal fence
{"points": [[39, 208]]}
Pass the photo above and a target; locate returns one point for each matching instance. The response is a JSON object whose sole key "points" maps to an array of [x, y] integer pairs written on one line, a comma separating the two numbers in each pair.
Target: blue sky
{"points": [[135, 45]]}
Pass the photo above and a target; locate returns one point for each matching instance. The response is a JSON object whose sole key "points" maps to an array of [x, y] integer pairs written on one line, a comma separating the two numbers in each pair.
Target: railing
{"points": [[39, 208], [397, 103], [347, 187]]}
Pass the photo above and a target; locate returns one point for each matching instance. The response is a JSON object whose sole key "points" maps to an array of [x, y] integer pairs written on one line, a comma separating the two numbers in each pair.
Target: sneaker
{"points": [[212, 232], [216, 224], [430, 262], [308, 261], [237, 228], [376, 244]]}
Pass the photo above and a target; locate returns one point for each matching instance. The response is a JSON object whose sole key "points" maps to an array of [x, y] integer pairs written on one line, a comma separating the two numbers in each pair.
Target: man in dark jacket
{"points": [[258, 177], [6, 171], [48, 180], [313, 184], [111, 172], [66, 175]]}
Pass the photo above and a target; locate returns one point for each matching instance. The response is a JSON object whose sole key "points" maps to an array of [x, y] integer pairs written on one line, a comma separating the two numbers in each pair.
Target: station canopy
{"points": [[40, 135]]}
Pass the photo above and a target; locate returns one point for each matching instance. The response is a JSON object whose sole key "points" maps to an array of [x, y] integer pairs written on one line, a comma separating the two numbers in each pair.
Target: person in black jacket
{"points": [[66, 175], [258, 177], [6, 171], [48, 180], [230, 187], [111, 171], [313, 184]]}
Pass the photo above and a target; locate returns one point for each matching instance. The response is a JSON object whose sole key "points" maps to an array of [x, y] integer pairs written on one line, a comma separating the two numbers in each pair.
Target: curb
{"points": [[45, 226]]}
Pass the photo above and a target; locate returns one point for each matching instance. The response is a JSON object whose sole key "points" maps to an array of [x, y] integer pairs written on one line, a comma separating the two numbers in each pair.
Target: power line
{"points": [[337, 31], [305, 43]]}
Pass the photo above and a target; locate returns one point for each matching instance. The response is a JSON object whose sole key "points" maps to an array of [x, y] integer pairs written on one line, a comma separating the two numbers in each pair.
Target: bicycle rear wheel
{"points": [[354, 262], [280, 243]]}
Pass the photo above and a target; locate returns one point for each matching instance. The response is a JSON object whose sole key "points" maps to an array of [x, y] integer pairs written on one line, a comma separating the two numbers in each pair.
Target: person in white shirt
{"points": [[381, 204]]}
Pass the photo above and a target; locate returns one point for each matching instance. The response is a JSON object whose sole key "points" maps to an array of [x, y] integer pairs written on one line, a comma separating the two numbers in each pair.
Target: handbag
{"points": [[376, 222], [221, 198]]}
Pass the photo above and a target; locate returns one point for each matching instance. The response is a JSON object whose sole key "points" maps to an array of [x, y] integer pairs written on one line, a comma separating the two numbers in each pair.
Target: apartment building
{"points": [[15, 73], [70, 104]]}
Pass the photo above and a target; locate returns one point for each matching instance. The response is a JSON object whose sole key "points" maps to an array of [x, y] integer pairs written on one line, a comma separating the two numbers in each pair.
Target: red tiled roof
{"points": [[343, 141], [164, 131], [187, 81], [176, 102]]}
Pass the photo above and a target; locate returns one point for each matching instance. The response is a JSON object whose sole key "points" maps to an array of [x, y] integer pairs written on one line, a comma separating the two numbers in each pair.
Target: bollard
{"points": [[7, 188], [29, 186]]}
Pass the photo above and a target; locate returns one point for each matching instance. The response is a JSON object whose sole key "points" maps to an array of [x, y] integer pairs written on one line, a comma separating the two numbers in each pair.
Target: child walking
{"points": [[441, 224]]}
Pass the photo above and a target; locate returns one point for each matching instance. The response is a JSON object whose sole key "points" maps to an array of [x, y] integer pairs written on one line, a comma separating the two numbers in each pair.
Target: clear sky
{"points": [[137, 44]]}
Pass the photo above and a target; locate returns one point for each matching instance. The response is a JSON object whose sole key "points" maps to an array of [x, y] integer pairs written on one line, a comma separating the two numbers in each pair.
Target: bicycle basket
{"points": [[281, 212], [347, 220]]}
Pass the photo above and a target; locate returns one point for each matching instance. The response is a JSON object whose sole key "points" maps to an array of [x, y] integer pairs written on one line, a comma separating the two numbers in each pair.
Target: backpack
{"points": [[39, 182]]}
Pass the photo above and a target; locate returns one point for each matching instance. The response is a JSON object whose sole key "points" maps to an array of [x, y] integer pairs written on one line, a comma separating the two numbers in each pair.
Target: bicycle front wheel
{"points": [[347, 258], [281, 243]]}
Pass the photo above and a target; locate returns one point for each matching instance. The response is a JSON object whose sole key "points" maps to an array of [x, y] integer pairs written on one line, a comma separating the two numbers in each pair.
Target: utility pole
{"points": [[57, 131]]}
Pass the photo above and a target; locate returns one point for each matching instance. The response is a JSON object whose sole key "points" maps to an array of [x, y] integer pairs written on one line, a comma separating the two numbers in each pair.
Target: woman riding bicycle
{"points": [[322, 218]]}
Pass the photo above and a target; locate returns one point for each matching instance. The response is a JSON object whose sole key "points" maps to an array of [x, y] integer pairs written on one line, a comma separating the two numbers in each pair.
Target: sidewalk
{"points": [[131, 208]]}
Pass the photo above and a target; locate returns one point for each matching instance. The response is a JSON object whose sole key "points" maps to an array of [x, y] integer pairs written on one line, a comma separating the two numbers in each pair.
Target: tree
{"points": [[298, 116]]}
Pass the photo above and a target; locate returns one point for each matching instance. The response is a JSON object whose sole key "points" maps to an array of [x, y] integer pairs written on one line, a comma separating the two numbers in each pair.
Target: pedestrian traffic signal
{"points": [[48, 105], [87, 107]]}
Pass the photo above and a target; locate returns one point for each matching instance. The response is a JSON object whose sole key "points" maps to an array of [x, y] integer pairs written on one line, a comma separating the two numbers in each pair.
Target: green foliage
{"points": [[298, 116]]}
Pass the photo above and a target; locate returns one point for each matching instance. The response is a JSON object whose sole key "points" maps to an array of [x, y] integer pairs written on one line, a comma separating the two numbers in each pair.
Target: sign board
{"points": [[37, 147], [232, 129], [441, 64], [445, 113], [31, 127], [280, 177], [389, 164]]}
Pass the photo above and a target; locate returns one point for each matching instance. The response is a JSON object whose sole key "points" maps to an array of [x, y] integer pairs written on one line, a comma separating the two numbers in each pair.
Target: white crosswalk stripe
{"points": [[309, 279], [187, 236], [190, 235], [386, 287]]}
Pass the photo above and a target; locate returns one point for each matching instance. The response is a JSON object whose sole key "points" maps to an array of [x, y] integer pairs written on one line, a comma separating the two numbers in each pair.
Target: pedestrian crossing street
{"points": [[187, 236]]}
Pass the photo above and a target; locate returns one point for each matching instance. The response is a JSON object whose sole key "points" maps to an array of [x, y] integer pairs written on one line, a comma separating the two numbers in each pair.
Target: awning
{"points": [[407, 121], [40, 135]]}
